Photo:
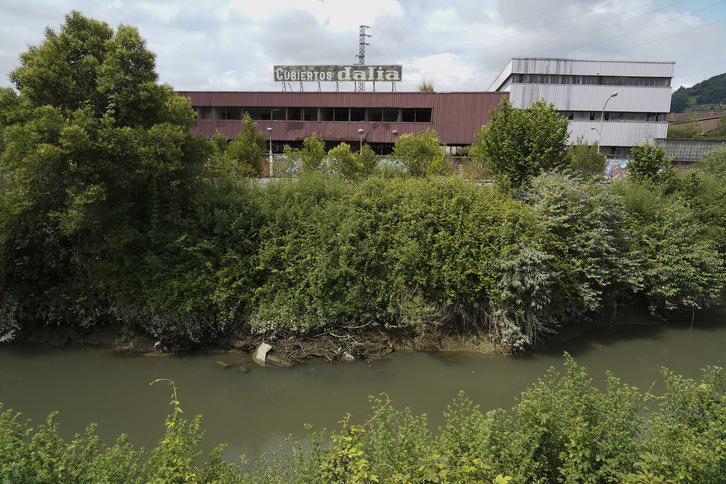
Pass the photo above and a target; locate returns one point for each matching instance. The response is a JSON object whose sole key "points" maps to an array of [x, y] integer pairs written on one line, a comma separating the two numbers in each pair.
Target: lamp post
{"points": [[360, 132], [602, 115], [269, 135]]}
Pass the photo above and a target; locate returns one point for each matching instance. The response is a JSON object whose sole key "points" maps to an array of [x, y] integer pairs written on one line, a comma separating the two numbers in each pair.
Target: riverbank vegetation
{"points": [[563, 428], [113, 214]]}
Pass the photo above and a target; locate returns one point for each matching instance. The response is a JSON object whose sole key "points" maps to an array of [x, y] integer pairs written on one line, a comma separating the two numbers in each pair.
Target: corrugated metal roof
{"points": [[583, 67], [593, 67]]}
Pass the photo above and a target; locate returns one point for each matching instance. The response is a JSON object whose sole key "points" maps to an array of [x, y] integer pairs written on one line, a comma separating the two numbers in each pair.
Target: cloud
{"points": [[460, 45]]}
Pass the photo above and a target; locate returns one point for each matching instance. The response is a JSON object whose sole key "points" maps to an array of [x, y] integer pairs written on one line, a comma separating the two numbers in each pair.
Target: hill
{"points": [[708, 94]]}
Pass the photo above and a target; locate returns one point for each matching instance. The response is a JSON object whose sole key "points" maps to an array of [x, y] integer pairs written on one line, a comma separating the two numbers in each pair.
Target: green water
{"points": [[254, 411]]}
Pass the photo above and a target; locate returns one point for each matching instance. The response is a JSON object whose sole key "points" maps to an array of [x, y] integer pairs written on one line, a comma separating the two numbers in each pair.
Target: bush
{"points": [[648, 162], [584, 160]]}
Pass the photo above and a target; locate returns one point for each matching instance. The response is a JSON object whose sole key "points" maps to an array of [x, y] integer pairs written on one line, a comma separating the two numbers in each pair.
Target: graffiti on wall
{"points": [[616, 169]]}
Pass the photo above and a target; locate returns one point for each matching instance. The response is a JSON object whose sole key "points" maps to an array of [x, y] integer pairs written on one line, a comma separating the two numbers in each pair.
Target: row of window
{"points": [[612, 116], [388, 115], [592, 80]]}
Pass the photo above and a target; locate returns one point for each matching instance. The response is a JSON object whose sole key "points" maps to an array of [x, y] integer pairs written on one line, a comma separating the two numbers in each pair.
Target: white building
{"points": [[585, 91]]}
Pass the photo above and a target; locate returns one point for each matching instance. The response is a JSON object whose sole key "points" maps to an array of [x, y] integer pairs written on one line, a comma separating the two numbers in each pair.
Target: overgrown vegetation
{"points": [[112, 213], [563, 428], [519, 144]]}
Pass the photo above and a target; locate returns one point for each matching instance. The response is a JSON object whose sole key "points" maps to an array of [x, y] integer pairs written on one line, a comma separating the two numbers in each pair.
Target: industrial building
{"points": [[376, 118], [616, 103]]}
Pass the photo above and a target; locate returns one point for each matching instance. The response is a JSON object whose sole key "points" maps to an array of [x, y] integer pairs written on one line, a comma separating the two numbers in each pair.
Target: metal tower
{"points": [[362, 52]]}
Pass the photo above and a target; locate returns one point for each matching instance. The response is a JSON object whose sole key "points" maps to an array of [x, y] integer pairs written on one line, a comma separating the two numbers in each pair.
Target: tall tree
{"points": [[93, 150], [244, 154], [422, 153], [519, 144], [648, 162], [585, 159]]}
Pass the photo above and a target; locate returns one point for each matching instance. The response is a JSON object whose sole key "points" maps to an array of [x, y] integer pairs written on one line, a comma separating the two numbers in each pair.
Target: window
{"points": [[390, 115], [375, 114], [259, 114], [204, 112], [294, 114], [423, 115], [341, 114], [325, 114], [310, 114], [357, 114]]}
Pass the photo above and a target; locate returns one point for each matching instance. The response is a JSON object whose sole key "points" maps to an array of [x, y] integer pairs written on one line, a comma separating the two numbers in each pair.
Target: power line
{"points": [[569, 39]]}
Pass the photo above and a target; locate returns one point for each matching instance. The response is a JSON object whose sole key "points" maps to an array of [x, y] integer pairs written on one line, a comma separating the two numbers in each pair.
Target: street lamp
{"points": [[269, 135], [602, 115], [360, 132]]}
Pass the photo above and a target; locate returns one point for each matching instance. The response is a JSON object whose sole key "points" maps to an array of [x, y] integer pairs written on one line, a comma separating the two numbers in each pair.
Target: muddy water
{"points": [[256, 410]]}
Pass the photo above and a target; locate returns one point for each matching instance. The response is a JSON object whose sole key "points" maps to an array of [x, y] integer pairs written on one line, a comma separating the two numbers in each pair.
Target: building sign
{"points": [[354, 73]]}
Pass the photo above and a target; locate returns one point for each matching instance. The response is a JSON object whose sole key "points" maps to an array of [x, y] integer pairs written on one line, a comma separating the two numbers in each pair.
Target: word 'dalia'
{"points": [[355, 73]]}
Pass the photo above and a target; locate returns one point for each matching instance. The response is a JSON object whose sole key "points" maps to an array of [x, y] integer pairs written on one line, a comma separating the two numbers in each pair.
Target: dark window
{"points": [[294, 114], [375, 114], [408, 115], [259, 114], [204, 112], [390, 115], [310, 114], [325, 114], [423, 115], [341, 114], [357, 114]]}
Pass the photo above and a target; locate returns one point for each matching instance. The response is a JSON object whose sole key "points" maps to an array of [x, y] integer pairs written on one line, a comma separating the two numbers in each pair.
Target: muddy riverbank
{"points": [[366, 344]]}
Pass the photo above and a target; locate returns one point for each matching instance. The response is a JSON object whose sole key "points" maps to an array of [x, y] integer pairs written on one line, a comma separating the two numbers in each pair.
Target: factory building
{"points": [[376, 118], [618, 103]]}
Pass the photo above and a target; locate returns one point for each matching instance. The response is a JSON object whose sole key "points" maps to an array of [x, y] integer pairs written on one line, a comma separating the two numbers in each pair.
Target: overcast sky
{"points": [[458, 45]]}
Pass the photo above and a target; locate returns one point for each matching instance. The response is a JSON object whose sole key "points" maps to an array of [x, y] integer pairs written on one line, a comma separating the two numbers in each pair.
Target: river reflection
{"points": [[256, 410]]}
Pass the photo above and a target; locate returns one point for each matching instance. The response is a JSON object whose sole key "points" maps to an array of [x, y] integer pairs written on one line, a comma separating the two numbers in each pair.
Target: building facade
{"points": [[340, 116], [616, 103]]}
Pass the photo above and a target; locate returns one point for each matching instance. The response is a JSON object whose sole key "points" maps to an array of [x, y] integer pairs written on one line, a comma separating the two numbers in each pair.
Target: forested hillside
{"points": [[708, 94]]}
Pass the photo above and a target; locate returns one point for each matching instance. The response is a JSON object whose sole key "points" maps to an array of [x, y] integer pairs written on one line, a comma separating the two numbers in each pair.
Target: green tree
{"points": [[585, 159], [368, 160], [714, 162], [719, 132], [93, 152], [344, 163], [422, 153], [689, 129], [426, 86], [309, 158], [680, 100], [648, 162], [519, 144], [245, 152]]}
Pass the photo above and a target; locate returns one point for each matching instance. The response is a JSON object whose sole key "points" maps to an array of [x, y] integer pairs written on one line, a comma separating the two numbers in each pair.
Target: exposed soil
{"points": [[335, 345]]}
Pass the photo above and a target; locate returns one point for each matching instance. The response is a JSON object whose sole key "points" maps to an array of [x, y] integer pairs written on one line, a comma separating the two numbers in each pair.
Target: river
{"points": [[254, 411]]}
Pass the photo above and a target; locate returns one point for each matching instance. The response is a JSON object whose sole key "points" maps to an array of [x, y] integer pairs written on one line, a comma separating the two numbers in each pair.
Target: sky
{"points": [[457, 45]]}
